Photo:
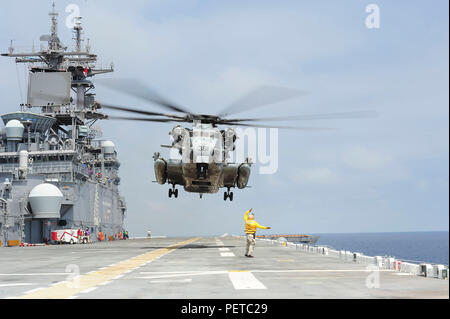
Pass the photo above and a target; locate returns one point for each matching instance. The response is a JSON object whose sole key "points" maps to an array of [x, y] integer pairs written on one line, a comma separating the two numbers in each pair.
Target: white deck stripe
{"points": [[183, 274], [224, 249], [57, 283], [230, 254], [180, 272], [322, 270], [173, 280], [244, 280], [17, 284], [88, 290], [37, 274], [105, 283], [169, 274], [33, 290]]}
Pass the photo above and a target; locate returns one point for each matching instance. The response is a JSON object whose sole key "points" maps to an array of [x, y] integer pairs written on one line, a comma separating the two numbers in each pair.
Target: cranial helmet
{"points": [[251, 216]]}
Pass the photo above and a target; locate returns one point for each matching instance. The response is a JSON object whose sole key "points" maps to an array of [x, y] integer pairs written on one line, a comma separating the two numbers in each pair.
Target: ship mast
{"points": [[54, 43], [79, 63]]}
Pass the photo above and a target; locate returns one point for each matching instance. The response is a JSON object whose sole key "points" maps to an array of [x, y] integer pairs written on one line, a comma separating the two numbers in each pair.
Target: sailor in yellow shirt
{"points": [[250, 231]]}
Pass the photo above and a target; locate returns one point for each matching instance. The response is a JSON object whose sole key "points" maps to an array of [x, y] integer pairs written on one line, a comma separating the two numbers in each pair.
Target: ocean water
{"points": [[429, 247]]}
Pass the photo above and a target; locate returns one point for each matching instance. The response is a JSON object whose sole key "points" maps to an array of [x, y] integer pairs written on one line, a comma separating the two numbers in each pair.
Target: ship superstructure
{"points": [[55, 170]]}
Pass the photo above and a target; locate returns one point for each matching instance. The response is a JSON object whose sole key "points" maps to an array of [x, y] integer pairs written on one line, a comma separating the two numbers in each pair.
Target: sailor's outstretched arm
{"points": [[246, 213], [260, 226]]}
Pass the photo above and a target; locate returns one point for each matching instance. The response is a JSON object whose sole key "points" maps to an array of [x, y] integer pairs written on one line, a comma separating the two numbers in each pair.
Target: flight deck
{"points": [[198, 268]]}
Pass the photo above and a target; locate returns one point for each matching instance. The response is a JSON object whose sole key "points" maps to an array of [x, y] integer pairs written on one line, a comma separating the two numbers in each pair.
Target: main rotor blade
{"points": [[261, 96], [302, 128], [138, 111], [142, 119], [137, 89], [329, 116]]}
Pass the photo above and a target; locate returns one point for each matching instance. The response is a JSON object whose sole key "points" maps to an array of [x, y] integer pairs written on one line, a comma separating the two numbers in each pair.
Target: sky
{"points": [[389, 173]]}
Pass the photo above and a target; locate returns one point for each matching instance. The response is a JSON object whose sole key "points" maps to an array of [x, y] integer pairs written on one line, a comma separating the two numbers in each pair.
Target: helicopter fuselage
{"points": [[202, 165]]}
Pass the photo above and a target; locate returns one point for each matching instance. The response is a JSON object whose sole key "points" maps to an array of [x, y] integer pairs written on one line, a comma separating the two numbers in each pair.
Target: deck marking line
{"points": [[322, 270], [180, 272], [17, 284], [224, 249], [88, 290], [230, 254], [105, 283], [34, 290], [171, 280], [57, 283], [87, 281], [184, 274], [173, 274], [36, 274], [244, 280]]}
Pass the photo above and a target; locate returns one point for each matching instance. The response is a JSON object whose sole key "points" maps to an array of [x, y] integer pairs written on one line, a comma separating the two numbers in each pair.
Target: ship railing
{"points": [[40, 168], [386, 263], [81, 170], [3, 205], [51, 167], [58, 109], [8, 167]]}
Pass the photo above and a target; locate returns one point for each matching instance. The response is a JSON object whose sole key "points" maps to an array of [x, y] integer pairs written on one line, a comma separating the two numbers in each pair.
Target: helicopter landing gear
{"points": [[228, 194], [173, 191]]}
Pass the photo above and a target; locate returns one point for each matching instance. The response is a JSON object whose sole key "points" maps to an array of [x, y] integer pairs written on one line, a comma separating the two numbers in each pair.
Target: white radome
{"points": [[14, 123], [45, 189], [108, 147], [45, 201], [14, 130]]}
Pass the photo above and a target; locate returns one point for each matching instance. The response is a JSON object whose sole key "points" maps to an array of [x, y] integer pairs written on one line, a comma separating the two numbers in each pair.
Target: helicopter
{"points": [[205, 148]]}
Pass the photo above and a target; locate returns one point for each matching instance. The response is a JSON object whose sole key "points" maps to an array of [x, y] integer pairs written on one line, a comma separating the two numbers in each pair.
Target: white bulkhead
{"points": [[23, 160], [23, 164]]}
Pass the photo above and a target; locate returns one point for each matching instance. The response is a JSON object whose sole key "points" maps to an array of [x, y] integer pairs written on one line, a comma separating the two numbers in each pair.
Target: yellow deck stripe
{"points": [[93, 279]]}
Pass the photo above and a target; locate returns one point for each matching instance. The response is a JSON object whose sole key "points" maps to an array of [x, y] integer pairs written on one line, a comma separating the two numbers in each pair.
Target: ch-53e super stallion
{"points": [[205, 148]]}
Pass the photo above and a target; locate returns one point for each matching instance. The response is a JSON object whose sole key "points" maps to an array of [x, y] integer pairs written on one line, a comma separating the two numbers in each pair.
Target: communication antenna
{"points": [[11, 48], [77, 30]]}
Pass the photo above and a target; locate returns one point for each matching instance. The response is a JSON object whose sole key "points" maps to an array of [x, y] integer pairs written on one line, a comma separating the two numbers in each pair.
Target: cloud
{"points": [[363, 158], [317, 176]]}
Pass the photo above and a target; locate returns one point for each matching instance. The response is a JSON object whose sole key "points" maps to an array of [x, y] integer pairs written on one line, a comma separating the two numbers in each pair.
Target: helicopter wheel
{"points": [[225, 196], [170, 192], [175, 192], [231, 196]]}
